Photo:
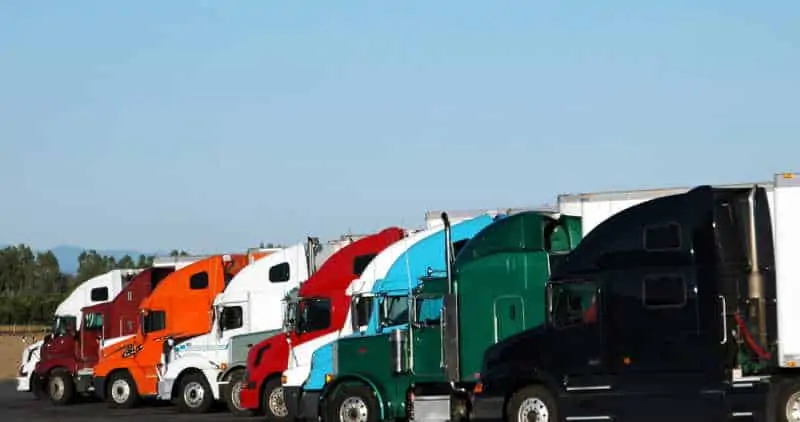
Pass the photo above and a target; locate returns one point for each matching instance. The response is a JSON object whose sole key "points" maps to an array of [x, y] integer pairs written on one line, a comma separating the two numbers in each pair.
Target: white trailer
{"points": [[596, 207]]}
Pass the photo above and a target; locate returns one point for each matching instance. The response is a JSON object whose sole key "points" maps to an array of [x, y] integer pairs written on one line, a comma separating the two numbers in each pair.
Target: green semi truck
{"points": [[493, 289]]}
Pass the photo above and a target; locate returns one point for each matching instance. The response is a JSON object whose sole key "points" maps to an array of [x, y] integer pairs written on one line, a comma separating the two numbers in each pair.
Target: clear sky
{"points": [[213, 125]]}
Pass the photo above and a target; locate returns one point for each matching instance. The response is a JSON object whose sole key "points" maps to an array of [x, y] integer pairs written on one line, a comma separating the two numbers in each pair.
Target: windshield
{"points": [[314, 314], [396, 310], [63, 323], [93, 321], [429, 310]]}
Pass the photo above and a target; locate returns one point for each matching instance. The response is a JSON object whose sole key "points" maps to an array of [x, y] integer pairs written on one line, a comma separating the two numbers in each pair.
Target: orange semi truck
{"points": [[179, 307]]}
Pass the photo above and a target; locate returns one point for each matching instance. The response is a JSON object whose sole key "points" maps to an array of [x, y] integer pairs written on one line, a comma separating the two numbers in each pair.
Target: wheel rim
{"points": [[120, 391], [193, 394], [533, 410], [793, 407], [353, 409], [235, 391], [56, 389], [276, 404]]}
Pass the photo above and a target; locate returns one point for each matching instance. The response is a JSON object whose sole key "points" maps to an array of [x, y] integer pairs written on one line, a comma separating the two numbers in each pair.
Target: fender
{"points": [[45, 367], [358, 378], [233, 367]]}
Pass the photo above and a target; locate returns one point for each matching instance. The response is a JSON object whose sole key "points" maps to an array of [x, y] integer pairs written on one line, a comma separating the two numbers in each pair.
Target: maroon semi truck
{"points": [[68, 359]]}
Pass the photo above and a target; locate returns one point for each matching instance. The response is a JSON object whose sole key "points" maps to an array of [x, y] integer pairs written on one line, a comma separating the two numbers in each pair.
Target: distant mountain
{"points": [[68, 256]]}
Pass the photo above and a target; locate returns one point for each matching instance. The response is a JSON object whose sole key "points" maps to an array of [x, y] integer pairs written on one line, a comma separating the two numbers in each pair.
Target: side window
{"points": [[279, 273], [360, 263], [231, 318], [458, 246], [662, 237], [429, 310], [99, 294], [315, 314], [362, 311], [93, 321], [154, 321], [664, 291], [573, 303], [199, 281]]}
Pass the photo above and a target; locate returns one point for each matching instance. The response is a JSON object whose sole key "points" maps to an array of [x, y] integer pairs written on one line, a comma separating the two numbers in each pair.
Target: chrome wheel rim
{"points": [[193, 394], [120, 391], [56, 385], [276, 404], [353, 409], [793, 407], [235, 392], [533, 409]]}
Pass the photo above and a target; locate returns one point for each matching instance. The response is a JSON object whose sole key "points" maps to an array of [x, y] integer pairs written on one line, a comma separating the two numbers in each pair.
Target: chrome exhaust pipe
{"points": [[755, 280], [448, 251]]}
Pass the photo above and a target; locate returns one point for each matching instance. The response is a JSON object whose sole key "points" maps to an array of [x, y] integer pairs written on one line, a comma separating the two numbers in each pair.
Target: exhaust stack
{"points": [[313, 245], [448, 252], [755, 280]]}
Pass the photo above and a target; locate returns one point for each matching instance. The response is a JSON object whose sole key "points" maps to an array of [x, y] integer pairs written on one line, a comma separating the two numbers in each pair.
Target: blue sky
{"points": [[213, 125]]}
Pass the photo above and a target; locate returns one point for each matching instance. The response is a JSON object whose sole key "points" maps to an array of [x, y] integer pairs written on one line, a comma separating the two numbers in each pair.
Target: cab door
{"points": [[509, 316]]}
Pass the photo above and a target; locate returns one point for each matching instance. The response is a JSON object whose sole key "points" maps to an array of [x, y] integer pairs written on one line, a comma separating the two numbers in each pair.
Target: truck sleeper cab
{"points": [[68, 360], [692, 291], [321, 308], [96, 290], [195, 370], [498, 278], [178, 308], [391, 277]]}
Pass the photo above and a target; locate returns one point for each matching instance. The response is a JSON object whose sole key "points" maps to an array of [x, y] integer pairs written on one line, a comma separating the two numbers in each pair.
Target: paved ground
{"points": [[15, 406]]}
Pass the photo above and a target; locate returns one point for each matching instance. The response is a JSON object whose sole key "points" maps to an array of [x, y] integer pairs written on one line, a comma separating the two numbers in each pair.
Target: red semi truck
{"points": [[65, 368], [321, 308]]}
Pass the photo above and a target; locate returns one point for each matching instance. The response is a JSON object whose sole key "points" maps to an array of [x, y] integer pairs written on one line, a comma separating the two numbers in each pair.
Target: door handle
{"points": [[724, 320]]}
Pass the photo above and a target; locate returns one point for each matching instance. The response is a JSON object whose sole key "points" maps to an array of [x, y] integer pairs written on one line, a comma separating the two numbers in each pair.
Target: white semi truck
{"points": [[194, 371]]}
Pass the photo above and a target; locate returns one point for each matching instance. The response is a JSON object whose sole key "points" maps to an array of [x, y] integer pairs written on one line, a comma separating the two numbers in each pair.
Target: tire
{"points": [[231, 393], [60, 388], [357, 401], [37, 389], [121, 392], [787, 400], [194, 394], [272, 403], [532, 399]]}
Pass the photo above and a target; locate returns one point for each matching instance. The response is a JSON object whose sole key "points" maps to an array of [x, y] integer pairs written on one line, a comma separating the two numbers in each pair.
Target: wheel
{"points": [[194, 395], [121, 391], [272, 403], [353, 403], [60, 388], [787, 405], [532, 404], [36, 387], [231, 393]]}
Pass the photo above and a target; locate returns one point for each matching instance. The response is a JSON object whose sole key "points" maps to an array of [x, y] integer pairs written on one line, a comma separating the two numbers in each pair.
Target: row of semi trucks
{"points": [[637, 305]]}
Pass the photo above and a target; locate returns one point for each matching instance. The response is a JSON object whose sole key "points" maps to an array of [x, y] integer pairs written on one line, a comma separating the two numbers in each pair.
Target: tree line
{"points": [[32, 283]]}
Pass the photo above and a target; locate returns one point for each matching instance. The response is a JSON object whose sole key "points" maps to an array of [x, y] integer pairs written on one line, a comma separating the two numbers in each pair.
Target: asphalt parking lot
{"points": [[15, 406]]}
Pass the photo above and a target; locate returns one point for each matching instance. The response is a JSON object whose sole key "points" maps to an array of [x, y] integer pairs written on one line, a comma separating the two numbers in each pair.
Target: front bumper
{"points": [[487, 408], [249, 396], [165, 388], [24, 383], [99, 385], [309, 405]]}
